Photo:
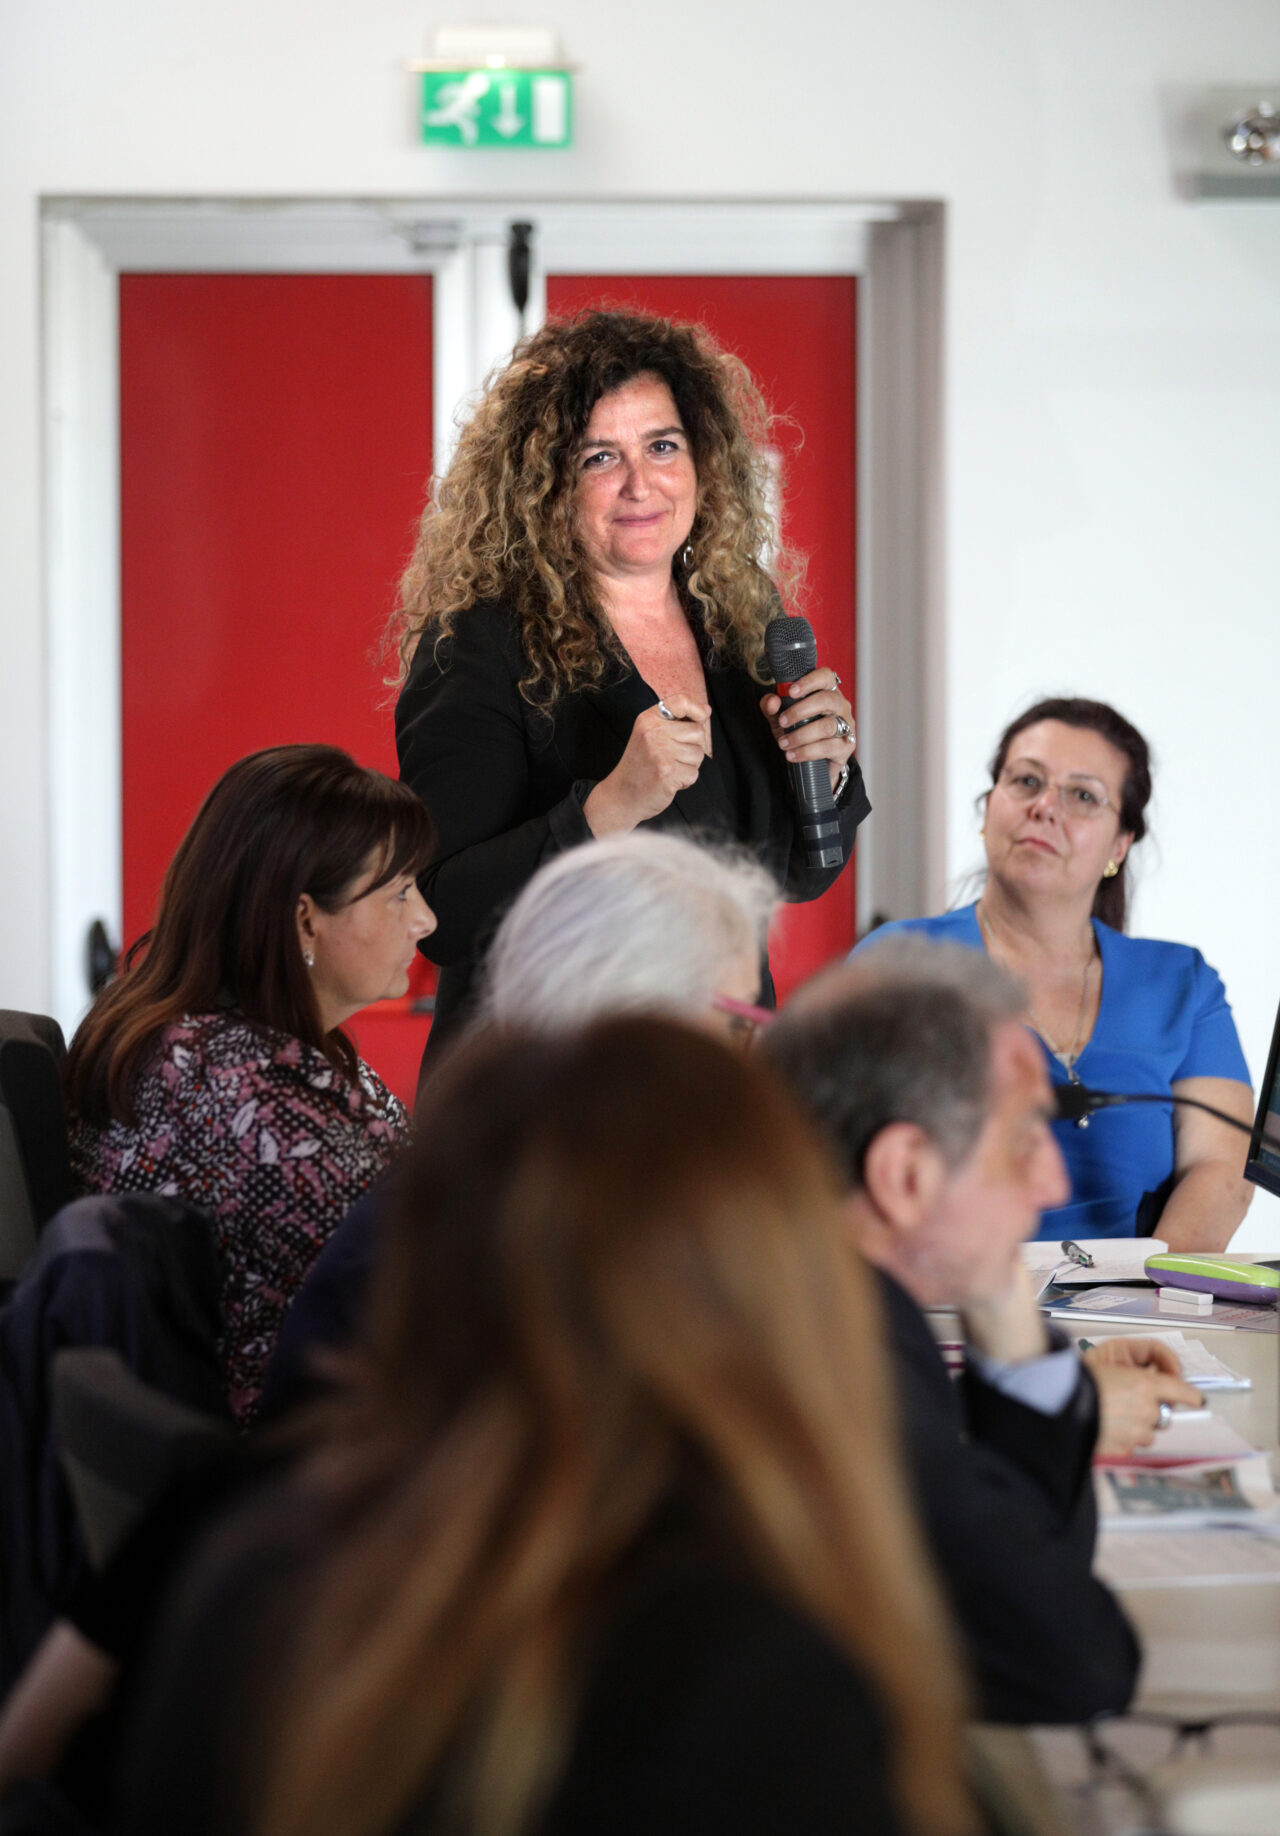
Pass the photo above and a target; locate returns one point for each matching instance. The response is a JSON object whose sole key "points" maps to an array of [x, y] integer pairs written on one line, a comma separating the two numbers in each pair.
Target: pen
{"points": [[1074, 1253]]}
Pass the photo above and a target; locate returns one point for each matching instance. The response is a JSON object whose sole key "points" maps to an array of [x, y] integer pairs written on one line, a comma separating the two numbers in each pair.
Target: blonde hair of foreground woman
{"points": [[609, 1255]]}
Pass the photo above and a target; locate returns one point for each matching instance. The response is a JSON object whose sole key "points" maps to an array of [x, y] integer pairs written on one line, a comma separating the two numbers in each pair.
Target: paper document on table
{"points": [[1193, 1558], [1145, 1304], [1200, 1367], [1192, 1437], [1172, 1499], [1111, 1259]]}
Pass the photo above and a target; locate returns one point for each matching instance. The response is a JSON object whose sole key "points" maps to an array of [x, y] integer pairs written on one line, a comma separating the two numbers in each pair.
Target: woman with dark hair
{"points": [[1070, 782], [215, 1068], [581, 628], [607, 1528]]}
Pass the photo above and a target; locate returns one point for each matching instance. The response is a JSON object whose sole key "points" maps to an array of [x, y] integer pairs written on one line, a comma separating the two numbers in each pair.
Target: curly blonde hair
{"points": [[501, 523]]}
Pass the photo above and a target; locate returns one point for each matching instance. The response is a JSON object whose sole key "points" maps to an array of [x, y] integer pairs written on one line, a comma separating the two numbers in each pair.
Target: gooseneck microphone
{"points": [[792, 652], [1076, 1103]]}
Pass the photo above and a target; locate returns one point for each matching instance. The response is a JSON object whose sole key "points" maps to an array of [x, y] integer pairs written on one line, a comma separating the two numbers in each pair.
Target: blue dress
{"points": [[1163, 1016]]}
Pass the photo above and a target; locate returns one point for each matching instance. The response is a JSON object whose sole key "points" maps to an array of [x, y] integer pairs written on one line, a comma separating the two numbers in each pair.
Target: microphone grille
{"points": [[791, 648]]}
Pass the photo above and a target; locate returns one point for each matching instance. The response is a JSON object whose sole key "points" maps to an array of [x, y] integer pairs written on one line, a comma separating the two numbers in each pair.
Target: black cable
{"points": [[1075, 1102]]}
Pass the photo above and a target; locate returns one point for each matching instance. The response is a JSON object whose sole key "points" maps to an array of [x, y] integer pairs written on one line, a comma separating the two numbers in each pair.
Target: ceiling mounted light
{"points": [[1226, 142], [1254, 138]]}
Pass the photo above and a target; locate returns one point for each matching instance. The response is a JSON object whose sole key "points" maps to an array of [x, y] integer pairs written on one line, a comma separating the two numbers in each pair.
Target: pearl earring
{"points": [[308, 957]]}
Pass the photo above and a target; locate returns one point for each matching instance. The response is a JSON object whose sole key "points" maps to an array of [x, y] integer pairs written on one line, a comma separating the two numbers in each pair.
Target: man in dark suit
{"points": [[915, 1063]]}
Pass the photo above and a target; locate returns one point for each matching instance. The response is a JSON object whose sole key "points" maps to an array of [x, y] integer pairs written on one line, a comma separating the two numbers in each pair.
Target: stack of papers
{"points": [[1193, 1437], [1124, 1305], [1111, 1259], [1201, 1368], [1144, 1496], [1197, 1505], [1151, 1558]]}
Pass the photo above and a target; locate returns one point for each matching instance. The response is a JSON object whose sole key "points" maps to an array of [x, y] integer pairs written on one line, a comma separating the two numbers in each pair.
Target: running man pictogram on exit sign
{"points": [[497, 108]]}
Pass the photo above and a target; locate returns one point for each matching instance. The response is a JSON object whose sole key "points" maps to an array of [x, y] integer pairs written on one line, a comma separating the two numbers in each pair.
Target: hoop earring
{"points": [[1111, 869]]}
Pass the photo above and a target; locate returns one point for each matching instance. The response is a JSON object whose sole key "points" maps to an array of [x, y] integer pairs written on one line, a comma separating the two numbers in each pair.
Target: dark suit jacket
{"points": [[1007, 1501], [505, 784]]}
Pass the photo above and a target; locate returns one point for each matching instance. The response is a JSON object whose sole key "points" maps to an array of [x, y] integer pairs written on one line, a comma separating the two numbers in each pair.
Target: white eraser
{"points": [[1195, 1300]]}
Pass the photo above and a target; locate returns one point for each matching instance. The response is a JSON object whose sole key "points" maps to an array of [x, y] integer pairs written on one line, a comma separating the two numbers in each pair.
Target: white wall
{"points": [[1112, 351]]}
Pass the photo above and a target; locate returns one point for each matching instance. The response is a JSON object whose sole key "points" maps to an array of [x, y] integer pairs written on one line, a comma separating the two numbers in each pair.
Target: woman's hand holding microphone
{"points": [[831, 736]]}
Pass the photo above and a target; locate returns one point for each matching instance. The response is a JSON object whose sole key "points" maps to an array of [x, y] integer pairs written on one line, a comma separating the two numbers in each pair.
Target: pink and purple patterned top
{"points": [[269, 1138]]}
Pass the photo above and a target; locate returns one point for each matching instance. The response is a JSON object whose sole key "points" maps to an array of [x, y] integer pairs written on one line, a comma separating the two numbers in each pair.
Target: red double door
{"points": [[275, 451]]}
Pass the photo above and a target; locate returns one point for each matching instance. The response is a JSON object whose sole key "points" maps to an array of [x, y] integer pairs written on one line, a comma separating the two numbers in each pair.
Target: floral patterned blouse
{"points": [[269, 1138]]}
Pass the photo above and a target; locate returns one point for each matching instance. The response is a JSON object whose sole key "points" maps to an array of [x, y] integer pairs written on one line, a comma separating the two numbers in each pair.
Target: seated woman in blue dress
{"points": [[1070, 782]]}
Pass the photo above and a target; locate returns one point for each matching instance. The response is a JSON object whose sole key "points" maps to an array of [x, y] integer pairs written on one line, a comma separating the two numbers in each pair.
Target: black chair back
{"points": [[122, 1443], [134, 1273], [35, 1165]]}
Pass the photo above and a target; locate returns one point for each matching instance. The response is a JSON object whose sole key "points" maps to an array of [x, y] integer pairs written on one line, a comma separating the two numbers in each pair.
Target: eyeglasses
{"points": [[1115, 1762], [745, 1019], [1074, 798], [1144, 1738]]}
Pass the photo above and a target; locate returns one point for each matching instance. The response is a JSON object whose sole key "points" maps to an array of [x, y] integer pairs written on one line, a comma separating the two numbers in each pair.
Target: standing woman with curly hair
{"points": [[581, 628]]}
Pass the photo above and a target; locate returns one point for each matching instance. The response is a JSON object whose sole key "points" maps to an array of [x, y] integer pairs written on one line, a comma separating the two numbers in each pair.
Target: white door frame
{"points": [[895, 250]]}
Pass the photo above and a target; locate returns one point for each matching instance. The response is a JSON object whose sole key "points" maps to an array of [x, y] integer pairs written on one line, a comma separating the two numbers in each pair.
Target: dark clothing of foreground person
{"points": [[915, 1062], [541, 1568], [1006, 1495], [711, 1708]]}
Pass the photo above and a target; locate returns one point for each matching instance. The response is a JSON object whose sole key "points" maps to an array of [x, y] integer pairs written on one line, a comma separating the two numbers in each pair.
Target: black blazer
{"points": [[1006, 1497], [505, 784]]}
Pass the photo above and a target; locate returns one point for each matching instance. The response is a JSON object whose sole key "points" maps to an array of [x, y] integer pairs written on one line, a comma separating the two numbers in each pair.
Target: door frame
{"points": [[895, 250]]}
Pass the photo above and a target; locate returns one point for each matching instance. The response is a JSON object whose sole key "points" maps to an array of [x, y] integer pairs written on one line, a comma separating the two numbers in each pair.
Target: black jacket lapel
{"points": [[761, 768]]}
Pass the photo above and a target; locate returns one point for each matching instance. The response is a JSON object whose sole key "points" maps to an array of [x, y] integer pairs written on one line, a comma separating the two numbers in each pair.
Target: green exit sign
{"points": [[497, 108]]}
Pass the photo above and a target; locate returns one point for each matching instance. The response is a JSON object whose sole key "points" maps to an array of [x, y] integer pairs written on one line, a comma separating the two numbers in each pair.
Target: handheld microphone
{"points": [[792, 652]]}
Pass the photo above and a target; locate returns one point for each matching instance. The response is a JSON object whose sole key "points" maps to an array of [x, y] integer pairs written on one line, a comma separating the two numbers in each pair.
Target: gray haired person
{"points": [[914, 1061], [636, 921]]}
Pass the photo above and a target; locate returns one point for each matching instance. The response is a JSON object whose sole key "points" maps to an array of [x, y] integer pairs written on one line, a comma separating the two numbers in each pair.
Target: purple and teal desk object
{"points": [[1226, 1277]]}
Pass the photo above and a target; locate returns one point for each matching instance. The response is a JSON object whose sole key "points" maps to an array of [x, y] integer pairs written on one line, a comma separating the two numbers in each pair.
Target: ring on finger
{"points": [[1164, 1416], [843, 728]]}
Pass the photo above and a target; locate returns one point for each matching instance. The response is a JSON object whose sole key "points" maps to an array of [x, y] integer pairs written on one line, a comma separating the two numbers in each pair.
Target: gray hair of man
{"points": [[902, 1033], [641, 921]]}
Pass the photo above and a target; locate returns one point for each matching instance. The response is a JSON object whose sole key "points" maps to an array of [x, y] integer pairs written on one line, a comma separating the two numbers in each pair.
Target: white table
{"points": [[1214, 1647]]}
